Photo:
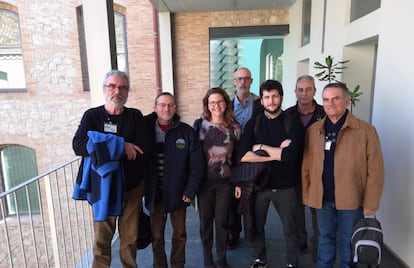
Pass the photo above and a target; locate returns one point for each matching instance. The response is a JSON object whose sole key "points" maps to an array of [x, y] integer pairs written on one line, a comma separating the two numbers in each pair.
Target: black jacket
{"points": [[318, 114], [130, 126], [183, 165]]}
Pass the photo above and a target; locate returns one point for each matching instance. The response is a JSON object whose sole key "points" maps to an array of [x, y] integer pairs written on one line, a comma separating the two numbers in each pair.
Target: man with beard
{"points": [[269, 132], [113, 139]]}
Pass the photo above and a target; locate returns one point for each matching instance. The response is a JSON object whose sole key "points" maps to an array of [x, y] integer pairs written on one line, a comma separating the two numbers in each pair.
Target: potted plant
{"points": [[329, 71]]}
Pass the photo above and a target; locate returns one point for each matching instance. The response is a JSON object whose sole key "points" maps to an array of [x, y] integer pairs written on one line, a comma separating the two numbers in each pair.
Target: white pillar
{"points": [[98, 46], [164, 22]]}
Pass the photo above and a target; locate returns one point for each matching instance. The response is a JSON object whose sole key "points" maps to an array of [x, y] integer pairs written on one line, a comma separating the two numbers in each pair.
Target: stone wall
{"points": [[46, 116]]}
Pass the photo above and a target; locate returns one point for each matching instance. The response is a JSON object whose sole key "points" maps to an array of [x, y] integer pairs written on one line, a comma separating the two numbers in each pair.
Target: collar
{"points": [[311, 112], [351, 121], [247, 102]]}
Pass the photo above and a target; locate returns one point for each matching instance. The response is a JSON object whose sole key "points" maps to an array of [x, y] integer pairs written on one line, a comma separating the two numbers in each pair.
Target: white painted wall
{"points": [[392, 95]]}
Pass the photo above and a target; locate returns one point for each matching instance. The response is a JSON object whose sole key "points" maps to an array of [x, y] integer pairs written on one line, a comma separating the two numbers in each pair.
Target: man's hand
{"points": [[285, 143], [257, 147], [131, 150], [237, 192], [186, 199]]}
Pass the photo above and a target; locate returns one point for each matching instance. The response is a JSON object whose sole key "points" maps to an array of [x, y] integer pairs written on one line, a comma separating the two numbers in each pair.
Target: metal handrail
{"points": [[60, 234]]}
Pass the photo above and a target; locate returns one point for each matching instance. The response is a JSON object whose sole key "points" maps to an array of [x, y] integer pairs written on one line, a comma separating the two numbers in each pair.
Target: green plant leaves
{"points": [[328, 74]]}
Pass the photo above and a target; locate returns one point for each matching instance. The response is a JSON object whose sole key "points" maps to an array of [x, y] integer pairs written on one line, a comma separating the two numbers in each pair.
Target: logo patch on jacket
{"points": [[180, 143]]}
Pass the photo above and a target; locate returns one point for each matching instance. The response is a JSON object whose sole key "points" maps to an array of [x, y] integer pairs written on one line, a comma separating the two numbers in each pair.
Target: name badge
{"points": [[328, 144], [110, 128]]}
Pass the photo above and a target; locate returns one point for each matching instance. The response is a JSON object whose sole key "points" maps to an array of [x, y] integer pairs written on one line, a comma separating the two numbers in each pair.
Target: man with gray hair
{"points": [[175, 173], [342, 174], [113, 142], [308, 111]]}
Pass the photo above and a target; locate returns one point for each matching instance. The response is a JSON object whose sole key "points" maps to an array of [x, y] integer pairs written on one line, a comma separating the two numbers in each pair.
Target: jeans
{"points": [[284, 201], [179, 237], [214, 203], [330, 222], [127, 228]]}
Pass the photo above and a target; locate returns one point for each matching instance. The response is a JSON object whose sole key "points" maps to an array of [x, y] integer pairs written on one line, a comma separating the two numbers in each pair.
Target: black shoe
{"points": [[258, 263], [289, 265]]}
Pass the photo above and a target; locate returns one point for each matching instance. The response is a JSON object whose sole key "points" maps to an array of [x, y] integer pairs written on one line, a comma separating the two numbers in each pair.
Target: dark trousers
{"points": [[314, 238], [285, 203], [179, 237], [213, 203], [234, 218], [303, 234]]}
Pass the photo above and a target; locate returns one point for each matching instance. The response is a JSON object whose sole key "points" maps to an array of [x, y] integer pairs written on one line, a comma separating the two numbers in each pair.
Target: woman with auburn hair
{"points": [[219, 132]]}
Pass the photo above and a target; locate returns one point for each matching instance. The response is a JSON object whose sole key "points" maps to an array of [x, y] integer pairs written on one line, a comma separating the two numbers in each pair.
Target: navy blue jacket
{"points": [[102, 176], [183, 165]]}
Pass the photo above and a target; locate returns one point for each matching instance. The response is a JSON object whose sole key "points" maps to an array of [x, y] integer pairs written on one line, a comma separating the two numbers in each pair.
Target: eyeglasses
{"points": [[164, 105], [245, 79], [220, 102], [112, 87]]}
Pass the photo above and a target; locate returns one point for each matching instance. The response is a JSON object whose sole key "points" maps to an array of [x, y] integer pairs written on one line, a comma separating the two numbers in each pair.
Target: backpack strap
{"points": [[197, 125], [287, 122], [256, 124]]}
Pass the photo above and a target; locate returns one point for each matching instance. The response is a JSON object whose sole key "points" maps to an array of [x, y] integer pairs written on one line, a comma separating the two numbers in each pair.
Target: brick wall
{"points": [[46, 116], [191, 51]]}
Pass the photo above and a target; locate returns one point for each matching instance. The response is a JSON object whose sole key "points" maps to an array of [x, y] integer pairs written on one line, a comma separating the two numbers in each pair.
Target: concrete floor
{"points": [[239, 257]]}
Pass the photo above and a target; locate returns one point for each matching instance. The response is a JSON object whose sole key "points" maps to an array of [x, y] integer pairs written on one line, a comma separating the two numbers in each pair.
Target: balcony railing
{"points": [[42, 226]]}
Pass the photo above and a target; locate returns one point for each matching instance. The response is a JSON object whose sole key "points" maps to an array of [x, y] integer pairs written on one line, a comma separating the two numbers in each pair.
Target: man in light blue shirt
{"points": [[245, 103], [245, 106]]}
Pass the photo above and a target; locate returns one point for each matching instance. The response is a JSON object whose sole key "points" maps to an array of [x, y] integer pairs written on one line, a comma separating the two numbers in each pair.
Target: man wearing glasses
{"points": [[113, 141], [175, 174], [245, 106]]}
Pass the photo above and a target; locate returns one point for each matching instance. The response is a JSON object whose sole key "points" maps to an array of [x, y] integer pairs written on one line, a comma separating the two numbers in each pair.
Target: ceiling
{"points": [[178, 6]]}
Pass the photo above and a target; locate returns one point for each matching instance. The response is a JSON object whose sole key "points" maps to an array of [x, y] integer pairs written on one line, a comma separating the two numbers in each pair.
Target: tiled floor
{"points": [[239, 257]]}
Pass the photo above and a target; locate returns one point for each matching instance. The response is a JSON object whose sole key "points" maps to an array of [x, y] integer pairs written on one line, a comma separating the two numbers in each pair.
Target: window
{"points": [[82, 48], [258, 48], [120, 39], [362, 8], [12, 77], [17, 165], [306, 21]]}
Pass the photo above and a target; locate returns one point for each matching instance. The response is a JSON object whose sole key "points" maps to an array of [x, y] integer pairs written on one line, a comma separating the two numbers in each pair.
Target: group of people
{"points": [[319, 156]]}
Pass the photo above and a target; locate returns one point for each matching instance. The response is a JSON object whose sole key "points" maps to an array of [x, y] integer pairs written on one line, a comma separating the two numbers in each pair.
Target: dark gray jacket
{"points": [[183, 165]]}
